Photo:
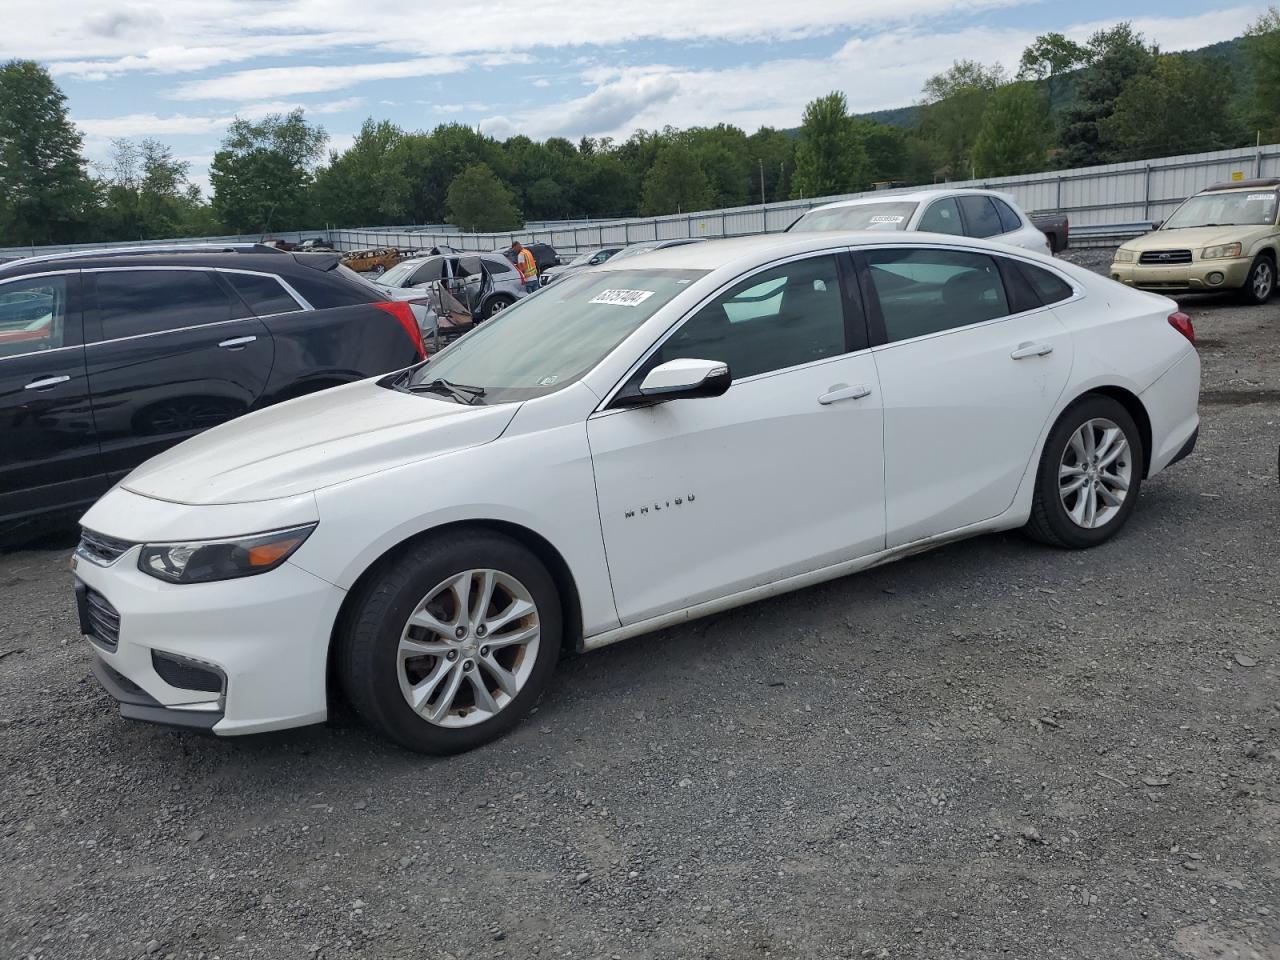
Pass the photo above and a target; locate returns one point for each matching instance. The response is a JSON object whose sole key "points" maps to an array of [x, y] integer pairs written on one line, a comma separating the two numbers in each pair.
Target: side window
{"points": [[779, 318], [980, 217], [264, 295], [1009, 221], [943, 216], [429, 271], [496, 267], [923, 291], [33, 315], [1049, 287], [133, 302]]}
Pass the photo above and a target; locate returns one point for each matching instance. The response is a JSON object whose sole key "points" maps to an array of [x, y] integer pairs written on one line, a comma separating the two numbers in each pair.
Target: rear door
{"points": [[971, 367], [49, 455], [171, 352]]}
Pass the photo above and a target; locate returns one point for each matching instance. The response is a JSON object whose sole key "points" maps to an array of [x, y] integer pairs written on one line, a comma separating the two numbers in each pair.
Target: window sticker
{"points": [[886, 218], [1260, 196], [622, 298]]}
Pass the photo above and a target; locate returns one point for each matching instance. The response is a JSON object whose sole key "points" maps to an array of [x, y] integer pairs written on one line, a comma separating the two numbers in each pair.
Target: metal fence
{"points": [[1106, 204]]}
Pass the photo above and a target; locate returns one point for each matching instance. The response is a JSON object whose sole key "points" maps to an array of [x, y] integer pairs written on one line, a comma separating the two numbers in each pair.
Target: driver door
{"points": [[783, 474]]}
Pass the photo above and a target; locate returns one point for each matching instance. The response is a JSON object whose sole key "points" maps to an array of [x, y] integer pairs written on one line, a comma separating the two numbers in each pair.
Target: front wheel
{"points": [[1261, 282], [1089, 477], [451, 642]]}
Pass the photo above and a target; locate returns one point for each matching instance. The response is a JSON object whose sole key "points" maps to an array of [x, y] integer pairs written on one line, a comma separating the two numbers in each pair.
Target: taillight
{"points": [[402, 311], [1182, 323]]}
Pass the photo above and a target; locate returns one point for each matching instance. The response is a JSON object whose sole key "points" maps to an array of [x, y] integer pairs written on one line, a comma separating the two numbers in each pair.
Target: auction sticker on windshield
{"points": [[885, 218], [622, 298]]}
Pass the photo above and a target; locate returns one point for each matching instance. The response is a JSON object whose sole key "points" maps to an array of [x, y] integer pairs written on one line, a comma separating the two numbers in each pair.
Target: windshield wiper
{"points": [[460, 392]]}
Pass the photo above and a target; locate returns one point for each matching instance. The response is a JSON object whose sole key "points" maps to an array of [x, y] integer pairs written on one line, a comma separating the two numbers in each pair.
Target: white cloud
{"points": [[245, 84], [150, 125]]}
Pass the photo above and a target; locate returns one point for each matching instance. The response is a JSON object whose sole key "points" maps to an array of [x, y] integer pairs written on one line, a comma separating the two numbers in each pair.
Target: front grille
{"points": [[186, 674], [1165, 257], [103, 620], [100, 549]]}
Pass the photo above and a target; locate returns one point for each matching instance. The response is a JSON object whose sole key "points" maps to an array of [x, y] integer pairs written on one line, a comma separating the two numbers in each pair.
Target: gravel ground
{"points": [[993, 750]]}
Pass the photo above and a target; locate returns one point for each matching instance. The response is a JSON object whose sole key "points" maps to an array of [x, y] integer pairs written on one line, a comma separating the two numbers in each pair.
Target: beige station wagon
{"points": [[1223, 238]]}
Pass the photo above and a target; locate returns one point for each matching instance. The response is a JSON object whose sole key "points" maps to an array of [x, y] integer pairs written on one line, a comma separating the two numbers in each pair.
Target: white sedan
{"points": [[981, 214], [650, 441]]}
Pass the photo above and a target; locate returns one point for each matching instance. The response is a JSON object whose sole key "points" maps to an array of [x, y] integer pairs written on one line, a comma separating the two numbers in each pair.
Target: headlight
{"points": [[202, 562], [1220, 252], [1124, 256]]}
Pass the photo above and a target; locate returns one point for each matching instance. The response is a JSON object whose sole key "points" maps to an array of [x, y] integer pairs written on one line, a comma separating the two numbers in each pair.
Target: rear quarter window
{"points": [[339, 287], [1049, 287], [263, 295]]}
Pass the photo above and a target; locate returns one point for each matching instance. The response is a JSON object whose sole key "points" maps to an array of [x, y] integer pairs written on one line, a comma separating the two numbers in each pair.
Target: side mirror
{"points": [[1156, 225], [684, 380]]}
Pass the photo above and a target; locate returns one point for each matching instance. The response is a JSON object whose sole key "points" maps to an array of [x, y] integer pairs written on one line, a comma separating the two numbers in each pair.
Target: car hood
{"points": [[313, 442], [1195, 237]]}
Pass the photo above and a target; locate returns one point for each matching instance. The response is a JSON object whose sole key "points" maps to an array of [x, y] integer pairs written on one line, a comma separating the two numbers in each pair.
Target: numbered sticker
{"points": [[886, 218], [622, 298]]}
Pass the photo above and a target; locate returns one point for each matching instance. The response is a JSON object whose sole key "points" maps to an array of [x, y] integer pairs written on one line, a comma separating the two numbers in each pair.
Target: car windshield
{"points": [[859, 216], [1236, 208], [553, 338], [582, 259], [398, 274]]}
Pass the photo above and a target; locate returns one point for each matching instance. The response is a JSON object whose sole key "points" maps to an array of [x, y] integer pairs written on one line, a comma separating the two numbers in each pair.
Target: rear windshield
{"points": [[554, 337], [860, 216]]}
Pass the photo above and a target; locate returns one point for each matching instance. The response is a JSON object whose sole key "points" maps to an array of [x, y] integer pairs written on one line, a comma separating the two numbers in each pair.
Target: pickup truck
{"points": [[1055, 226]]}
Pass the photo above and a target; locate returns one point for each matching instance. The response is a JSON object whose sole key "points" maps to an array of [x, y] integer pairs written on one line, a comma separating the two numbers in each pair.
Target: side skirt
{"points": [[798, 582]]}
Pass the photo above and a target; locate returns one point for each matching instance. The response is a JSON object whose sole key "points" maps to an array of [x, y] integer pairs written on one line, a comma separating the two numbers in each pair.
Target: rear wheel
{"points": [[1261, 282], [495, 305], [451, 642], [1089, 477]]}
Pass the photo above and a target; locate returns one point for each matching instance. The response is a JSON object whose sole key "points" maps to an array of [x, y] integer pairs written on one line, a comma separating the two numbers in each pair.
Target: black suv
{"points": [[108, 357]]}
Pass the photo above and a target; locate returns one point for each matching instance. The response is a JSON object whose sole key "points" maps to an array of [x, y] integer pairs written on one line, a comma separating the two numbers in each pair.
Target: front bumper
{"points": [[267, 637], [1199, 276]]}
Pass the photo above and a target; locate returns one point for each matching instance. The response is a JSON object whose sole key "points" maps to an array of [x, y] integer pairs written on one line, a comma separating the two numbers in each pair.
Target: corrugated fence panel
{"points": [[1113, 194]]}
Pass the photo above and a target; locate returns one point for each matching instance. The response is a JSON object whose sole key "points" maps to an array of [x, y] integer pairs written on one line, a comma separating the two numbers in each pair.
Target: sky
{"points": [[181, 70]]}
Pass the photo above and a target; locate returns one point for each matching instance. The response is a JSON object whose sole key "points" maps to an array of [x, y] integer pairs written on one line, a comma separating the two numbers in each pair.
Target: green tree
{"points": [[775, 151], [1182, 106], [952, 110], [830, 157], [675, 183], [478, 201], [1049, 57], [146, 195], [366, 183], [45, 193], [430, 162], [1118, 57], [262, 175], [1016, 134], [1262, 53]]}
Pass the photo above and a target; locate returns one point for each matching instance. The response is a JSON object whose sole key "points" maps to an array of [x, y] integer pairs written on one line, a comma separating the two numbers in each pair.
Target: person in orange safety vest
{"points": [[527, 266]]}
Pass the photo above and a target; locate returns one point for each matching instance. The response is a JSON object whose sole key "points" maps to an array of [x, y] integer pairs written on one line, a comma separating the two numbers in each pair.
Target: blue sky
{"points": [[180, 70]]}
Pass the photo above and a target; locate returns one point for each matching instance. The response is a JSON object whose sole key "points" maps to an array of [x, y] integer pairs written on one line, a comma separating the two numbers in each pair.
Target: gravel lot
{"points": [[993, 750]]}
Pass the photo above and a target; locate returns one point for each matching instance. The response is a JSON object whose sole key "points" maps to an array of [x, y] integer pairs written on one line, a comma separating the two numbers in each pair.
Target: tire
{"points": [[423, 581], [495, 305], [1261, 282], [1063, 519]]}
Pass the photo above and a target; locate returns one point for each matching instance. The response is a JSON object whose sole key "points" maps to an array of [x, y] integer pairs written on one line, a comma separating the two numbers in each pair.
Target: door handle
{"points": [[842, 391], [1030, 349], [46, 383], [238, 343]]}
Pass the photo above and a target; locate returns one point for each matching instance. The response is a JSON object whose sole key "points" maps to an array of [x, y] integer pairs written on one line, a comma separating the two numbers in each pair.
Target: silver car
{"points": [[581, 262], [485, 282]]}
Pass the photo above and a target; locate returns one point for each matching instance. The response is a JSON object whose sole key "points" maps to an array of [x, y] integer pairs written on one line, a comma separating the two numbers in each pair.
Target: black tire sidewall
{"points": [[495, 305], [1061, 525], [392, 599], [1248, 291]]}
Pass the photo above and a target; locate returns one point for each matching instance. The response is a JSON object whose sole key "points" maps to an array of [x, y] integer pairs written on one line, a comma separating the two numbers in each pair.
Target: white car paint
{"points": [[660, 513], [1026, 236]]}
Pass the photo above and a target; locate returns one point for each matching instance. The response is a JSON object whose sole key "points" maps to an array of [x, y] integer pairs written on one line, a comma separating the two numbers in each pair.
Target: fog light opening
{"points": [[1216, 277]]}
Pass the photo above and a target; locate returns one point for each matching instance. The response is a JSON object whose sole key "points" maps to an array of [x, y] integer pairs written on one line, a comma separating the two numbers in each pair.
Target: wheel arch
{"points": [[540, 546], [1134, 406]]}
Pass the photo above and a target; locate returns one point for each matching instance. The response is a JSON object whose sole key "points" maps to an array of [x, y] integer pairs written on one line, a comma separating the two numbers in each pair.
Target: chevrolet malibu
{"points": [[651, 441]]}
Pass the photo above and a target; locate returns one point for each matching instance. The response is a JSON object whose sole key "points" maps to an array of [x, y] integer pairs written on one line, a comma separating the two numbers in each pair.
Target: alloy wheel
{"points": [[1262, 280], [1094, 473], [468, 648]]}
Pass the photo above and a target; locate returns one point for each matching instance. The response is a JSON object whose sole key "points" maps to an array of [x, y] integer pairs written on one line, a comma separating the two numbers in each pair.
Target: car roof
{"points": [[743, 252], [264, 259], [915, 196]]}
